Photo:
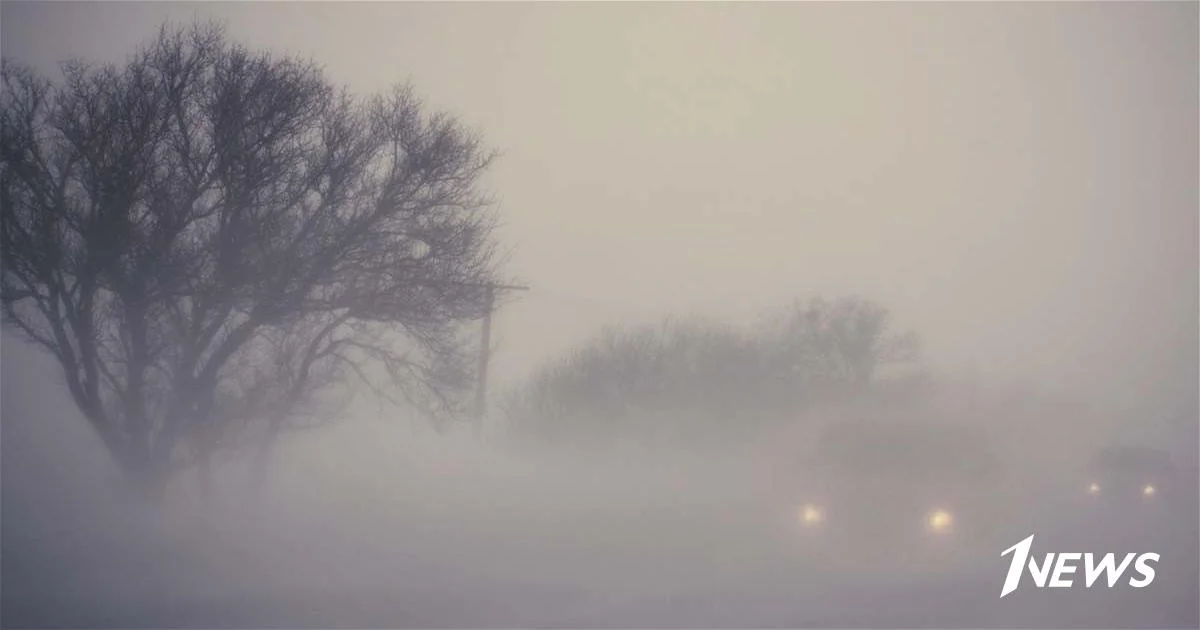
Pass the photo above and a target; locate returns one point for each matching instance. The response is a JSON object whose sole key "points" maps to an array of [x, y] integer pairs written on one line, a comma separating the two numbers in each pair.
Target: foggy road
{"points": [[659, 588], [624, 570], [599, 314], [453, 537]]}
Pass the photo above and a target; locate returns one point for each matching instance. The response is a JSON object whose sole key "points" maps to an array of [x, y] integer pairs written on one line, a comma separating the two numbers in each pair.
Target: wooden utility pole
{"points": [[485, 350], [485, 346]]}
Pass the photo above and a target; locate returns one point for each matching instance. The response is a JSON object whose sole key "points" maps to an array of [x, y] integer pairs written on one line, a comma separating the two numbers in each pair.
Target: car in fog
{"points": [[911, 496], [1134, 487], [1131, 477], [1130, 496]]}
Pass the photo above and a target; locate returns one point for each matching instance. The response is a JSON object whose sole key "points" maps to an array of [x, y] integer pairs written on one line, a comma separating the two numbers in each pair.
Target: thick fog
{"points": [[1015, 184]]}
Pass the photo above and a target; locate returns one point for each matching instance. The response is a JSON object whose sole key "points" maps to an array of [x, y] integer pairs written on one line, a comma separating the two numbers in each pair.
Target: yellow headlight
{"points": [[811, 515], [1148, 490], [1094, 489], [940, 521]]}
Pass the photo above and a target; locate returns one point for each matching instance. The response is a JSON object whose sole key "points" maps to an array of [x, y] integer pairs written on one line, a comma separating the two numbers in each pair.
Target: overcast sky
{"points": [[1017, 182]]}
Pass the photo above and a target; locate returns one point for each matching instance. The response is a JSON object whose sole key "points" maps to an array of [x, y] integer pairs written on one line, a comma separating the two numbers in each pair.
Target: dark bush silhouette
{"points": [[688, 382]]}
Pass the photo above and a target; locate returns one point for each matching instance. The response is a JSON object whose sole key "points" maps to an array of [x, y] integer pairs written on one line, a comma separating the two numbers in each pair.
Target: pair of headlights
{"points": [[1148, 490], [937, 520]]}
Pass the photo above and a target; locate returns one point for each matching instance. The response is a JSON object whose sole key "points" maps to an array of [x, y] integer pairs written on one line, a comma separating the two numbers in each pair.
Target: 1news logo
{"points": [[1065, 564]]}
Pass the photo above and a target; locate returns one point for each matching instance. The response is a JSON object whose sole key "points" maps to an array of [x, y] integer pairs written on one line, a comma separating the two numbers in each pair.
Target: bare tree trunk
{"points": [[207, 493], [262, 460], [149, 482]]}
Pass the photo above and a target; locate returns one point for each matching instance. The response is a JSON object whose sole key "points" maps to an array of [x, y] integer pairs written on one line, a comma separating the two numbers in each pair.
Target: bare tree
{"points": [[206, 238], [706, 381], [833, 346], [680, 380]]}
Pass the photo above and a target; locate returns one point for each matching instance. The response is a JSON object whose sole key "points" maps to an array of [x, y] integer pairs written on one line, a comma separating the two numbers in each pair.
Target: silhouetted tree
{"points": [[831, 348], [702, 380], [208, 238]]}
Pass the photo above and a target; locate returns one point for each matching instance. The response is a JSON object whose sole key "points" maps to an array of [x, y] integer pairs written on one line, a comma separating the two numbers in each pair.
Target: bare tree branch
{"points": [[206, 238]]}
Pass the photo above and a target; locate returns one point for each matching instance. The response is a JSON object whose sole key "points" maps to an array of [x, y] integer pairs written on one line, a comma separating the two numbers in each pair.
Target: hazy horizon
{"points": [[1017, 183]]}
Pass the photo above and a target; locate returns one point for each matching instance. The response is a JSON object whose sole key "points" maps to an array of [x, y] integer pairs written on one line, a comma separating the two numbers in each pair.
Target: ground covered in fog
{"points": [[396, 527], [1004, 196]]}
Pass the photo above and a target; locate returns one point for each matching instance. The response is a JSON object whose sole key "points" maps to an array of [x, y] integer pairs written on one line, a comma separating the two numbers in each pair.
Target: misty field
{"points": [[584, 315]]}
